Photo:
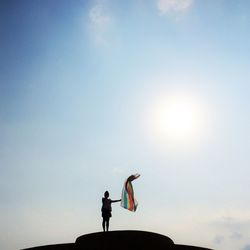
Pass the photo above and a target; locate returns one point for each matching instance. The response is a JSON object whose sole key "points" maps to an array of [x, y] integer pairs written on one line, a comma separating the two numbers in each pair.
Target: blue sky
{"points": [[80, 84]]}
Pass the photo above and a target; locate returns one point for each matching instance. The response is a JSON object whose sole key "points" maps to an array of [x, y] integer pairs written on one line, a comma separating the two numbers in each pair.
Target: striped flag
{"points": [[128, 200]]}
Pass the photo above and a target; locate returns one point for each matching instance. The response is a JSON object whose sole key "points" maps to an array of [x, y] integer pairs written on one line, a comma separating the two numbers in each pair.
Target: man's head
{"points": [[106, 194]]}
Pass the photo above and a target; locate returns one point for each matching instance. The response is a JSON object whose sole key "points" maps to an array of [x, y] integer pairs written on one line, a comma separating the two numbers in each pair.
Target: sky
{"points": [[94, 91]]}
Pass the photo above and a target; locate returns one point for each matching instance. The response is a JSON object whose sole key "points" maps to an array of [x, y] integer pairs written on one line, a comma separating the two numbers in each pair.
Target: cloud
{"points": [[233, 224], [247, 247], [118, 171], [232, 230], [236, 236], [99, 22], [219, 239], [177, 6]]}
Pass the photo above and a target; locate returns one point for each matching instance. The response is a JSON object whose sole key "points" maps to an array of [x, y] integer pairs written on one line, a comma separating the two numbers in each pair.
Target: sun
{"points": [[177, 119]]}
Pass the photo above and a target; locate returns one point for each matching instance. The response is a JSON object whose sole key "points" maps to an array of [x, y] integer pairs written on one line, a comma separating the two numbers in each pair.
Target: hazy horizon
{"points": [[94, 91]]}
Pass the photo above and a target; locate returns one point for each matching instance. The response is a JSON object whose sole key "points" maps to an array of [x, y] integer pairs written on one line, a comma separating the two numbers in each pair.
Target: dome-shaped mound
{"points": [[124, 240], [66, 246], [120, 240]]}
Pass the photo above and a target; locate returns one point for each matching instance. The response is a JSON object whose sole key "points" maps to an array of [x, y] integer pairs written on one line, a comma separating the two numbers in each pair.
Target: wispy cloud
{"points": [[99, 22], [247, 247], [219, 239], [236, 236], [178, 6], [118, 171], [232, 231], [233, 223]]}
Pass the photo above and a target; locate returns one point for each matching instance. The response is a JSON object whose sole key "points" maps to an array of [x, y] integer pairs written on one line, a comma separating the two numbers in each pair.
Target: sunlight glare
{"points": [[177, 119]]}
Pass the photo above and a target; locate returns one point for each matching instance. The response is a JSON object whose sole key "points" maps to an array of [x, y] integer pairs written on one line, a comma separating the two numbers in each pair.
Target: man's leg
{"points": [[103, 224], [107, 224]]}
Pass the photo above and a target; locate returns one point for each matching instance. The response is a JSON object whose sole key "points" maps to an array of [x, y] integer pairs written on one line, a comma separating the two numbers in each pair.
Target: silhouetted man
{"points": [[106, 210]]}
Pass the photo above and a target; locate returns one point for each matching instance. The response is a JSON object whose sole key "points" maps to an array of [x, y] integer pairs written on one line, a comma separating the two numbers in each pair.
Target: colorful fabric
{"points": [[128, 200]]}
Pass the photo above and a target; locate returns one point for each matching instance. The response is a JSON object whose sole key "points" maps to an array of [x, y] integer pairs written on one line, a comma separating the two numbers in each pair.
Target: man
{"points": [[106, 210]]}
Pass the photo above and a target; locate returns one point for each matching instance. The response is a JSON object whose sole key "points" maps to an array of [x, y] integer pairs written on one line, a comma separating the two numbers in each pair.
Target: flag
{"points": [[128, 200]]}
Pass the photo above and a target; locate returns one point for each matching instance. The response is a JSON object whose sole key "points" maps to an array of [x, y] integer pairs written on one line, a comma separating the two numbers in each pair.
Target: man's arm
{"points": [[115, 201]]}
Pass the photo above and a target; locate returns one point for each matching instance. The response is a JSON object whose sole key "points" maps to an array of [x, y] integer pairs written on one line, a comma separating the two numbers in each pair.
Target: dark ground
{"points": [[120, 240]]}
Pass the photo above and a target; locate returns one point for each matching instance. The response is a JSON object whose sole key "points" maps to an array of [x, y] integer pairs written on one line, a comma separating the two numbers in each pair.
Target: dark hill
{"points": [[124, 240], [66, 246], [120, 240]]}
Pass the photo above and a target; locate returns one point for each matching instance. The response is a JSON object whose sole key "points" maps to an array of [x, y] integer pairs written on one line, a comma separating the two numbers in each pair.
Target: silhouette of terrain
{"points": [[120, 240], [66, 246]]}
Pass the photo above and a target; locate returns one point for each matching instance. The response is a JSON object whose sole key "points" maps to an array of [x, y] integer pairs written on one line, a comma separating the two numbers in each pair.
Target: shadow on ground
{"points": [[120, 240]]}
